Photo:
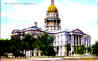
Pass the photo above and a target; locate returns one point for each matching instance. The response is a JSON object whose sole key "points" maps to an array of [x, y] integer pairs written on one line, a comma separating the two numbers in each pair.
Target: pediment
{"points": [[77, 31]]}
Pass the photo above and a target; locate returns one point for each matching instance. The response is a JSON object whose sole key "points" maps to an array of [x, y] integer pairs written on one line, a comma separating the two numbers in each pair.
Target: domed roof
{"points": [[52, 8]]}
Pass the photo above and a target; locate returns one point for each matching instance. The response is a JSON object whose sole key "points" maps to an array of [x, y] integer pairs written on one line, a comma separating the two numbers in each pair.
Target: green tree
{"points": [[95, 48], [81, 49], [3, 46], [7, 46], [47, 45], [43, 42], [28, 42], [89, 49], [68, 46]]}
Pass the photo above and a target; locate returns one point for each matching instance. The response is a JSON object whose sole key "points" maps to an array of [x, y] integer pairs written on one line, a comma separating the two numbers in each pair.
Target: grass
{"points": [[48, 56], [81, 57], [64, 57]]}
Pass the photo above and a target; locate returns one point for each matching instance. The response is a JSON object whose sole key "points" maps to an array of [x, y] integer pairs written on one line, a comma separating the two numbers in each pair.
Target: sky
{"points": [[20, 14]]}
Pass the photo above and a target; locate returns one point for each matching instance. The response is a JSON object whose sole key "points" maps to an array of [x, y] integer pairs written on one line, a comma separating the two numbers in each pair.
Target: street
{"points": [[45, 59]]}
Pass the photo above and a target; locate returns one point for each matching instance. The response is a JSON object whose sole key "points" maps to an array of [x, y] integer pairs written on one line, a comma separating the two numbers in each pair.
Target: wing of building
{"points": [[75, 38]]}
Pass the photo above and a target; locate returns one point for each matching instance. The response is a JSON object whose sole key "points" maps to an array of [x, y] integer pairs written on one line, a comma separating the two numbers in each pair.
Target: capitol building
{"points": [[74, 38]]}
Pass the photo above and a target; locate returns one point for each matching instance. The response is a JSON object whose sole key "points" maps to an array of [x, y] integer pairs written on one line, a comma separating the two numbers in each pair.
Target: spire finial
{"points": [[35, 23], [52, 2]]}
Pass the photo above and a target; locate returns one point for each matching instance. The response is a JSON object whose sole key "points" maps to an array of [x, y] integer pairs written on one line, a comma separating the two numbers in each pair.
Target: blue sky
{"points": [[19, 14]]}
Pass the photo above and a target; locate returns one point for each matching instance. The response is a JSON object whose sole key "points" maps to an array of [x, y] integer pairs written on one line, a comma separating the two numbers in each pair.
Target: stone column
{"points": [[75, 40], [35, 52], [75, 44], [39, 54], [78, 40], [61, 51], [72, 43]]}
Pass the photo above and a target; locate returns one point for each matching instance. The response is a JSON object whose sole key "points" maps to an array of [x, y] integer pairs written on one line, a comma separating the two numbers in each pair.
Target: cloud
{"points": [[72, 15], [80, 16]]}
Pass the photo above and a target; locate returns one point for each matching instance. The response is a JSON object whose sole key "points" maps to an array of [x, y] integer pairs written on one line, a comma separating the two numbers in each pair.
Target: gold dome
{"points": [[52, 8]]}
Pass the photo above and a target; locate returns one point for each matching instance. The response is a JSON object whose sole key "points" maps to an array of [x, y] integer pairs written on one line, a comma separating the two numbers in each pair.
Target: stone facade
{"points": [[75, 38]]}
